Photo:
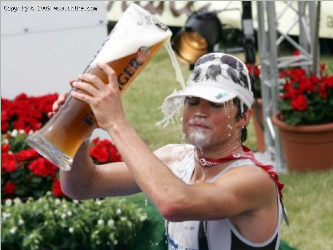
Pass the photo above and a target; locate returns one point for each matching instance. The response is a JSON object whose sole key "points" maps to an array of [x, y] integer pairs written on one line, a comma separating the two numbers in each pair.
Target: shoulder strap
{"points": [[202, 236], [268, 168]]}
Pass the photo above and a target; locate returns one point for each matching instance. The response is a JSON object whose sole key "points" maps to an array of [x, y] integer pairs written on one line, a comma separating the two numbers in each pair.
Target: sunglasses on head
{"points": [[232, 62], [225, 59]]}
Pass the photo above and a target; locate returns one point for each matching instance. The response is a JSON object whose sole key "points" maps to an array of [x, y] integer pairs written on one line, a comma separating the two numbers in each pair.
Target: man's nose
{"points": [[200, 115], [201, 110]]}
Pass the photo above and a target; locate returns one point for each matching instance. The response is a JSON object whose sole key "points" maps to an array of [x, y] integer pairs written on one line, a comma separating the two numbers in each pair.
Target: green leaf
{"points": [[294, 119], [20, 190], [284, 105], [36, 179], [14, 175], [39, 193]]}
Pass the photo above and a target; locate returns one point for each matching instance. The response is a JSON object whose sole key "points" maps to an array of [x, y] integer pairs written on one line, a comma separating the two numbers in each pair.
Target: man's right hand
{"points": [[61, 99]]}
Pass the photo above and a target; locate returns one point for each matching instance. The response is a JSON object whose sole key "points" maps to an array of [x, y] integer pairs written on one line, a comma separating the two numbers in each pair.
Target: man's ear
{"points": [[245, 120]]}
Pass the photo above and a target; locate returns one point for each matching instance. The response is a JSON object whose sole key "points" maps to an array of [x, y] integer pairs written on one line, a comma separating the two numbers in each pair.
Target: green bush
{"points": [[51, 223], [153, 234]]}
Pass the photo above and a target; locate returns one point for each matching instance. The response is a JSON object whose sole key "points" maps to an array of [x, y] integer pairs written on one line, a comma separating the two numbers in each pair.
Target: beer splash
{"points": [[175, 64], [170, 109]]}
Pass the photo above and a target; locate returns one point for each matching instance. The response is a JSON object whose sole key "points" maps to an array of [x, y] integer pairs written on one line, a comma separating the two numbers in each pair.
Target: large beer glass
{"points": [[132, 43]]}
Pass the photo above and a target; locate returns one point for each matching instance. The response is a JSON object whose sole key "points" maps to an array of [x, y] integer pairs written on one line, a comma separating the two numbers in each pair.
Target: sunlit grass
{"points": [[309, 201]]}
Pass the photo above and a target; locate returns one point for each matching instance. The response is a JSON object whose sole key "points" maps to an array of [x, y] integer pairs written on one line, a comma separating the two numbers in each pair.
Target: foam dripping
{"points": [[171, 107]]}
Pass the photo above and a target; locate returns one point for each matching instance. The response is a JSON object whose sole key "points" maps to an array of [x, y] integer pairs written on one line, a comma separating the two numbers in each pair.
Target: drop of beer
{"points": [[175, 64]]}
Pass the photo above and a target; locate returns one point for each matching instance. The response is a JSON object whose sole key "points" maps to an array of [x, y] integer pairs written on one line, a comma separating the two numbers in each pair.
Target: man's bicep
{"points": [[248, 188], [236, 192], [113, 179]]}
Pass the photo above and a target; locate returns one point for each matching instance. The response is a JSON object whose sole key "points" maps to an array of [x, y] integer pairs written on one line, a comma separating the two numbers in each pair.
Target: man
{"points": [[212, 192]]}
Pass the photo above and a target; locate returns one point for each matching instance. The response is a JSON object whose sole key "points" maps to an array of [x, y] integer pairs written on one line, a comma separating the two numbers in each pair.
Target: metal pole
{"points": [[303, 41], [315, 41], [274, 84]]}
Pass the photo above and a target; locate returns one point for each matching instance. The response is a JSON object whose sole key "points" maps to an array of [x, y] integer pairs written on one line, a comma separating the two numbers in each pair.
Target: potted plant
{"points": [[305, 120], [258, 124]]}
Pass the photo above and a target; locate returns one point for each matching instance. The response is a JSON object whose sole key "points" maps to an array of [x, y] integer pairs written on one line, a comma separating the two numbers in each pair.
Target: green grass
{"points": [[308, 197], [309, 202], [143, 99]]}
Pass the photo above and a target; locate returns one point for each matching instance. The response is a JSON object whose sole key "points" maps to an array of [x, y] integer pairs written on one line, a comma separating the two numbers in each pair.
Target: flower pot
{"points": [[306, 147], [258, 124]]}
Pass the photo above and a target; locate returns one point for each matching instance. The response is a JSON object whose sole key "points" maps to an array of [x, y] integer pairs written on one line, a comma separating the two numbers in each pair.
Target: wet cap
{"points": [[216, 77]]}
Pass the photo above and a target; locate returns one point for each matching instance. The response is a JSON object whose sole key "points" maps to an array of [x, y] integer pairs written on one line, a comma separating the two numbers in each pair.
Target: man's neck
{"points": [[215, 152], [221, 150]]}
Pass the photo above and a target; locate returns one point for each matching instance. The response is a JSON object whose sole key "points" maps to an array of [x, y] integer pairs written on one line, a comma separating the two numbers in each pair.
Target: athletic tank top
{"points": [[220, 234]]}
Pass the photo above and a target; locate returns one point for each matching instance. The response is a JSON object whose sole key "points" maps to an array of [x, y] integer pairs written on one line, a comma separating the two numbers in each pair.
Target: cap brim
{"points": [[209, 93]]}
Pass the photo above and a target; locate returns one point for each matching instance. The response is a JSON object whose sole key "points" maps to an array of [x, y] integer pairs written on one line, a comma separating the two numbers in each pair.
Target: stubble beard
{"points": [[199, 137]]}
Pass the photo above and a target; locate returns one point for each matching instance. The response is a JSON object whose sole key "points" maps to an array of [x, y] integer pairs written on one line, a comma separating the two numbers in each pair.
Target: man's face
{"points": [[208, 124]]}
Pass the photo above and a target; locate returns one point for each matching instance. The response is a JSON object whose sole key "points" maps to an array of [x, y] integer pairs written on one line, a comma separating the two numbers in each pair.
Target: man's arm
{"points": [[240, 190], [87, 180]]}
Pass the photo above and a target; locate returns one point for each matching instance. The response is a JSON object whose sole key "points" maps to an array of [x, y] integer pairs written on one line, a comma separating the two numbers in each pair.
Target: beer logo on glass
{"points": [[89, 119], [143, 53]]}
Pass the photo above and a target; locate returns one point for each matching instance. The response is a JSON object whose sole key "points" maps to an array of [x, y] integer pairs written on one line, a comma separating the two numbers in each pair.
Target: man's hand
{"points": [[104, 99], [61, 100]]}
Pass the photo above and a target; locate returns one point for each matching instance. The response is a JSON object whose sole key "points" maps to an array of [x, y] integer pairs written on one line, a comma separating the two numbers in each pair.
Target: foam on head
{"points": [[136, 28]]}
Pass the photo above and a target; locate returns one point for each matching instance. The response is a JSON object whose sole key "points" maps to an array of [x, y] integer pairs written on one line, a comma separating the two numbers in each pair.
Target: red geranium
{"points": [[42, 167], [56, 188], [23, 169], [103, 151], [8, 162], [306, 99], [254, 71], [9, 188], [299, 103], [26, 154], [27, 113]]}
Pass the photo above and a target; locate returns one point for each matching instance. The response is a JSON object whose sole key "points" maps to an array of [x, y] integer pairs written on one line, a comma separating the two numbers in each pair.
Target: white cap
{"points": [[216, 77]]}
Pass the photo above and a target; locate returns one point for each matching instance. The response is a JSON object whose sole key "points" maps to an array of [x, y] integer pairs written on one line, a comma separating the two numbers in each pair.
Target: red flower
{"points": [[306, 85], [8, 162], [296, 53], [104, 151], [56, 189], [323, 95], [289, 91], [42, 167], [329, 82], [4, 149], [299, 103], [27, 113], [26, 154], [322, 90], [297, 74], [115, 156], [253, 70], [100, 154], [9, 187], [314, 79], [4, 126]]}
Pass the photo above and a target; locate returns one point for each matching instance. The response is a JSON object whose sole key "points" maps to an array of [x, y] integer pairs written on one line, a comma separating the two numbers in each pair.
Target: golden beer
{"points": [[61, 137]]}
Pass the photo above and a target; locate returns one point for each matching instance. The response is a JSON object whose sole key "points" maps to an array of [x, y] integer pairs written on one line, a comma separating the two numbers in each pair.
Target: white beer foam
{"points": [[135, 28]]}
